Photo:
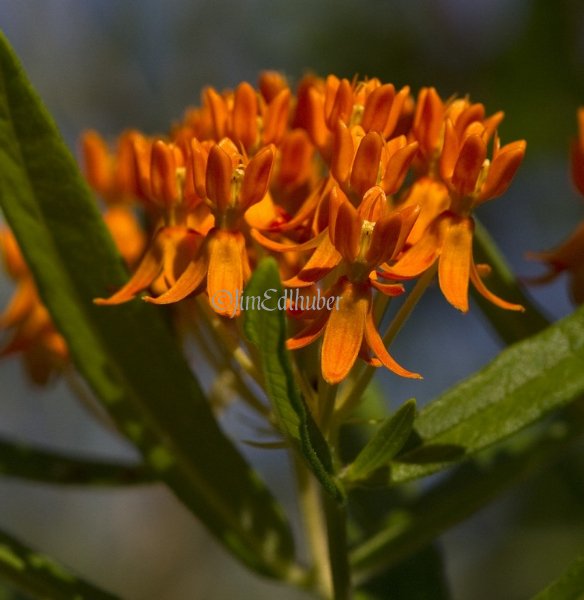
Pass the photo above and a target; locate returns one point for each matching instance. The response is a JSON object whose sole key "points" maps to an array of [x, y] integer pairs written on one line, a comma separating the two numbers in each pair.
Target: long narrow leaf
{"points": [[24, 461], [42, 577], [266, 329], [126, 353], [523, 384], [471, 487], [385, 443]]}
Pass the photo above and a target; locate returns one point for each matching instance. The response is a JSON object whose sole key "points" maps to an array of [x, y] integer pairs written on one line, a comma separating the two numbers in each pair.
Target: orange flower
{"points": [[468, 180], [162, 180], [232, 185], [361, 239]]}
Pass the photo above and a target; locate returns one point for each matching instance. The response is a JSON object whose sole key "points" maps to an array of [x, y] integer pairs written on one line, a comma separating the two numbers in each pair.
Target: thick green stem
{"points": [[336, 522]]}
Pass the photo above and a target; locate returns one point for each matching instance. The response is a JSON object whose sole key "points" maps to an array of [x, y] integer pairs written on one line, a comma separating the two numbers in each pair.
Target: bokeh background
{"points": [[110, 65]]}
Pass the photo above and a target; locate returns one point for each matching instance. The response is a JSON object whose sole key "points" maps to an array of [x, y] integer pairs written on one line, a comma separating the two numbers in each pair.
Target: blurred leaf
{"points": [[41, 576], [510, 326], [523, 384], [35, 464], [387, 441], [570, 586], [470, 487], [266, 329], [418, 577], [126, 353]]}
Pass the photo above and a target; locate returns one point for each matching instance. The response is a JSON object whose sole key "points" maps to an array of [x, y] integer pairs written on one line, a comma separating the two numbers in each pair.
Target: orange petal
{"points": [[148, 270], [163, 182], [377, 346], [396, 111], [468, 165], [218, 111], [428, 120], [290, 247], [191, 278], [343, 152], [199, 157], [450, 151], [343, 105], [245, 113], [455, 262], [397, 167], [365, 169], [378, 108], [225, 279], [345, 225], [20, 305], [502, 170], [257, 177], [420, 256], [344, 333], [276, 117], [324, 259], [219, 173], [384, 238], [96, 161], [487, 294], [388, 289], [310, 333]]}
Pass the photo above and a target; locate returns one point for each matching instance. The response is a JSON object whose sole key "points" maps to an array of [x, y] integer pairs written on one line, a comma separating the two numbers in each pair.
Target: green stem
{"points": [[336, 522], [314, 525], [355, 392]]}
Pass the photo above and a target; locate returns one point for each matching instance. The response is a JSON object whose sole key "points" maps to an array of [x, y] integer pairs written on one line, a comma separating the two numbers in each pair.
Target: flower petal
{"points": [[377, 346], [502, 170], [487, 294], [219, 174], [344, 331], [468, 165], [244, 115], [227, 255], [310, 333], [324, 259], [455, 261], [147, 271], [365, 171], [378, 108], [257, 177]]}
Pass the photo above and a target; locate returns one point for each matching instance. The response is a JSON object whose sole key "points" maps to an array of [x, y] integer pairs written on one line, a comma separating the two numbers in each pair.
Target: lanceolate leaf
{"points": [[42, 577], [24, 461], [524, 383], [266, 329], [126, 353], [385, 444]]}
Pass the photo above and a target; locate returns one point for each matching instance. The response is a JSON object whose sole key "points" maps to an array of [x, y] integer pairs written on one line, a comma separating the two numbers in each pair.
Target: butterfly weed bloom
{"points": [[353, 186], [569, 256]]}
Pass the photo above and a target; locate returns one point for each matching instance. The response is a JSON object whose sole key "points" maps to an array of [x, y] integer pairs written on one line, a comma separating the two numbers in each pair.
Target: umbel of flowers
{"points": [[353, 186]]}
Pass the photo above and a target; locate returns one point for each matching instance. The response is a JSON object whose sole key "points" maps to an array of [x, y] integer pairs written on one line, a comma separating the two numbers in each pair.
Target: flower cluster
{"points": [[353, 186]]}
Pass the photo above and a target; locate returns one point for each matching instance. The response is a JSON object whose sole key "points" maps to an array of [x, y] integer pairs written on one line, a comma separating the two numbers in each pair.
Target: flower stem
{"points": [[336, 522], [314, 525]]}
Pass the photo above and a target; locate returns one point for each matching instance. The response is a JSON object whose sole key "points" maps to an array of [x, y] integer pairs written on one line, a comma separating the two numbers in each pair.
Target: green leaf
{"points": [[127, 353], [385, 443], [24, 461], [510, 326], [41, 576], [468, 489], [569, 586], [523, 384], [266, 329]]}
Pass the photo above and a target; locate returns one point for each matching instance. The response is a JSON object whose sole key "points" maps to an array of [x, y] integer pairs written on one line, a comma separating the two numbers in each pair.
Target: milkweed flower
{"points": [[362, 239], [460, 179]]}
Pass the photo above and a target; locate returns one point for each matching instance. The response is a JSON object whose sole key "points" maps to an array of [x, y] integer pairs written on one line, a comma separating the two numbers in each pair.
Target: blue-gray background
{"points": [[111, 65]]}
